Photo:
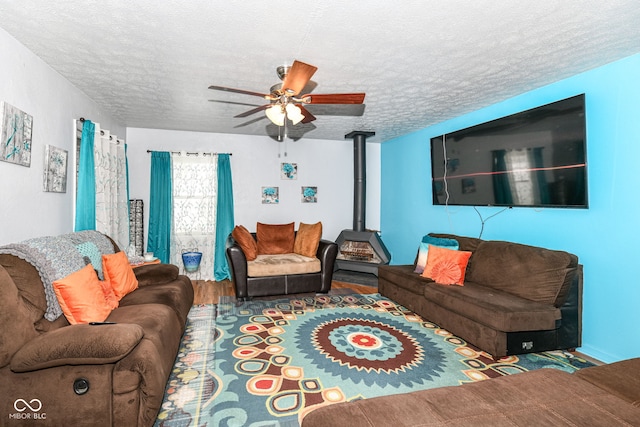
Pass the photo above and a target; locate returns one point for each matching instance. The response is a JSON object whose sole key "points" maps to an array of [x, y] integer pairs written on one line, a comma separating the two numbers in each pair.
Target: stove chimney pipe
{"points": [[359, 177]]}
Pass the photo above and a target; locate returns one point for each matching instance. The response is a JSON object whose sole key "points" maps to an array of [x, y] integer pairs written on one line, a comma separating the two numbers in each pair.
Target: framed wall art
{"points": [[55, 169], [289, 171], [309, 194], [270, 195], [15, 131]]}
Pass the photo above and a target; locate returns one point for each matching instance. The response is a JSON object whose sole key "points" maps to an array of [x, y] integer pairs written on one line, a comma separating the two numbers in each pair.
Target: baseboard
{"points": [[588, 358]]}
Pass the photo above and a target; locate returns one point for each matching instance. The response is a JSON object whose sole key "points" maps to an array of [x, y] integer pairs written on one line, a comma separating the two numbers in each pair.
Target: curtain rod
{"points": [[191, 153], [82, 120]]}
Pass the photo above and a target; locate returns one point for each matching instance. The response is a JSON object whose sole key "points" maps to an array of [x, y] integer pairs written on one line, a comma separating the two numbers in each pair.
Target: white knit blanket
{"points": [[56, 257]]}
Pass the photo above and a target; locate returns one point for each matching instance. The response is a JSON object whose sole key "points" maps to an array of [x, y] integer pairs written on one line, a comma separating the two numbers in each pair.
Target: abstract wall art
{"points": [[55, 169], [15, 145]]}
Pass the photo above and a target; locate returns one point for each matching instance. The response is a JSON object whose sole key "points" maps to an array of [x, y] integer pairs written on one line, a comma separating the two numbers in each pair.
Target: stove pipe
{"points": [[359, 177]]}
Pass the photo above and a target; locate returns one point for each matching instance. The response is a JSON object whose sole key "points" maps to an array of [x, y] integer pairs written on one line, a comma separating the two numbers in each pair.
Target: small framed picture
{"points": [[55, 169], [15, 134], [270, 195], [309, 194], [288, 171]]}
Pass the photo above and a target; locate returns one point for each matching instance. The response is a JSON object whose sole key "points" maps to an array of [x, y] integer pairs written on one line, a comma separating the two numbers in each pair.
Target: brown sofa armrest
{"points": [[238, 264], [156, 274], [327, 253], [78, 345], [618, 378]]}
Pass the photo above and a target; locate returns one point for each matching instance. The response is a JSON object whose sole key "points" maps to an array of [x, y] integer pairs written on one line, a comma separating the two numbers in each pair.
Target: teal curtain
{"points": [[224, 219], [86, 191], [160, 206]]}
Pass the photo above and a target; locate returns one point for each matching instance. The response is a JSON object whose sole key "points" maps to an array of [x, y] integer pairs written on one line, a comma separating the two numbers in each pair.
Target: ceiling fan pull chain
{"points": [[286, 128]]}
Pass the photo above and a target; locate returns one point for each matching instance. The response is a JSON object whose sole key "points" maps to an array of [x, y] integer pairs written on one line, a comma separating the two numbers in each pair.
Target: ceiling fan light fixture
{"points": [[294, 113], [287, 100], [276, 114]]}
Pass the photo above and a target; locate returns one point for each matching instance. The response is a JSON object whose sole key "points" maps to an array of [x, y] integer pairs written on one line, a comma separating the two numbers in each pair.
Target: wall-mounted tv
{"points": [[534, 158]]}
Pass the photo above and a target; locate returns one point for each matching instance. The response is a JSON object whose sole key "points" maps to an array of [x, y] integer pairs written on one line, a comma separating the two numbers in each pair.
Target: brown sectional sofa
{"points": [[606, 396], [515, 299], [54, 373]]}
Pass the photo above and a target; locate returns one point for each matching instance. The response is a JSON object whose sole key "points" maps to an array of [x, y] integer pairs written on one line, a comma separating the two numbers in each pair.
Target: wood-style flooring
{"points": [[209, 292]]}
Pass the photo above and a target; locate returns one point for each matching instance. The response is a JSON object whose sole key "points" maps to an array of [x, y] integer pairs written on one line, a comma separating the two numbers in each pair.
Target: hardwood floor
{"points": [[209, 292]]}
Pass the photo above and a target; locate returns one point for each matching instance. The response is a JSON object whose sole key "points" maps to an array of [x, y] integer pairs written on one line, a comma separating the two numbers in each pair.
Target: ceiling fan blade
{"points": [[253, 110], [308, 117], [335, 98], [242, 91], [233, 103], [297, 77]]}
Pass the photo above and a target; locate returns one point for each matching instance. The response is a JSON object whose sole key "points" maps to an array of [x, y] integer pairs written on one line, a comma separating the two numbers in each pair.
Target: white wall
{"points": [[29, 84], [255, 163]]}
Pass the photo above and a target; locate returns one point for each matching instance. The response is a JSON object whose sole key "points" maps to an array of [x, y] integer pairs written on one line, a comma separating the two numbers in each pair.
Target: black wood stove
{"points": [[360, 249]]}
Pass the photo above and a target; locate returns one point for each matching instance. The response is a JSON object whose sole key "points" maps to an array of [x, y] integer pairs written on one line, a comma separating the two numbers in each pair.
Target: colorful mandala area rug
{"points": [[268, 363]]}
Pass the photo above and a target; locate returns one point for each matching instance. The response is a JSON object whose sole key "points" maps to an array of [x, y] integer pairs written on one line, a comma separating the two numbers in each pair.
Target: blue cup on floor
{"points": [[191, 261]]}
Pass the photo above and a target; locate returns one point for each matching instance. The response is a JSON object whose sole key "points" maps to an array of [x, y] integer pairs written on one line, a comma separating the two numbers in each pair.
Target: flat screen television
{"points": [[534, 158]]}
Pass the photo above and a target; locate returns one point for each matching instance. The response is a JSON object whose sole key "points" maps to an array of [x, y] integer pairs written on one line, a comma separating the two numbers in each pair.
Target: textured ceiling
{"points": [[420, 62]]}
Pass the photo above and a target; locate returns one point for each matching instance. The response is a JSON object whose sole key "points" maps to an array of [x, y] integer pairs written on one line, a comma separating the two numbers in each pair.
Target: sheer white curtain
{"points": [[112, 203], [194, 208]]}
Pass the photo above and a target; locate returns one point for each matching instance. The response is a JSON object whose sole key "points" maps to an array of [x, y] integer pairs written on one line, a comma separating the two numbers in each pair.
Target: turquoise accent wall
{"points": [[605, 237]]}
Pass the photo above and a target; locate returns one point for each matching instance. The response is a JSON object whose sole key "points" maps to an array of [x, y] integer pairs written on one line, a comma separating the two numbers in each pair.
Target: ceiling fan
{"points": [[285, 100]]}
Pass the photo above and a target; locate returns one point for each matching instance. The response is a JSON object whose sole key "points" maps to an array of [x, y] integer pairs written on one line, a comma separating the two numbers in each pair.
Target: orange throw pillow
{"points": [[275, 238], [118, 272], [308, 239], [446, 266], [109, 295], [81, 297], [246, 242]]}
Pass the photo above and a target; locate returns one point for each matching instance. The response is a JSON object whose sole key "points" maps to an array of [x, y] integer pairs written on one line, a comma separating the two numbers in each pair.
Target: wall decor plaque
{"points": [[15, 131], [55, 169]]}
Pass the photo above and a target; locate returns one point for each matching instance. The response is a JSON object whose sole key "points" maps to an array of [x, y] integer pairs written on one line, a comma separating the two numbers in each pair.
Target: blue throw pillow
{"points": [[423, 251], [91, 253]]}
